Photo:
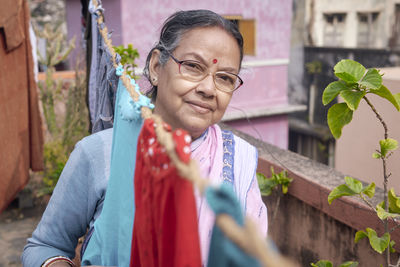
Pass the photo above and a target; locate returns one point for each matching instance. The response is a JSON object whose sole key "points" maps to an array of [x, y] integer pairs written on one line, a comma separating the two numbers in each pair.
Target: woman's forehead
{"points": [[209, 43], [206, 33]]}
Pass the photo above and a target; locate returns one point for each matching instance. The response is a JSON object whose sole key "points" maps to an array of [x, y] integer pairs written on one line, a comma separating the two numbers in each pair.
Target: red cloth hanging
{"points": [[165, 231]]}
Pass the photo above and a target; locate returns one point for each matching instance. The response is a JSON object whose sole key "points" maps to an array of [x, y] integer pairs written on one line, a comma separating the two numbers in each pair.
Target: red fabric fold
{"points": [[165, 231]]}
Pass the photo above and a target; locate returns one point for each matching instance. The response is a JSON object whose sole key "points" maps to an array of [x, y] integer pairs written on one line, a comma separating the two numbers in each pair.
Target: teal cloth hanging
{"points": [[110, 243], [223, 252]]}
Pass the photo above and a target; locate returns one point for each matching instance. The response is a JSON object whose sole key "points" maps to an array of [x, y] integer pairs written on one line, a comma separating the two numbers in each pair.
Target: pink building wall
{"points": [[265, 86], [265, 74], [270, 129], [74, 22]]}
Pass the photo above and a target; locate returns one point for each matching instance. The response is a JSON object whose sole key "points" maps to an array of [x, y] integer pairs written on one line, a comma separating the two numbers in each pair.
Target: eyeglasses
{"points": [[195, 71]]}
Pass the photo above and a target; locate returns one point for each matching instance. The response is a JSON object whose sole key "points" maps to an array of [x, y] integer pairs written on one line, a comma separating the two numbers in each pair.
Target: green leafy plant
{"points": [[277, 181], [128, 56], [267, 185], [354, 84], [63, 129], [325, 263]]}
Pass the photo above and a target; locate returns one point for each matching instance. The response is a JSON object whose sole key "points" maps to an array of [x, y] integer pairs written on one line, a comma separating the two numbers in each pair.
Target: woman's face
{"points": [[194, 106]]}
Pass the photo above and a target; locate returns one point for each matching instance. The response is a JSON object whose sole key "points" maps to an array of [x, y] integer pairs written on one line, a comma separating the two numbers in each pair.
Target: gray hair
{"points": [[178, 24]]}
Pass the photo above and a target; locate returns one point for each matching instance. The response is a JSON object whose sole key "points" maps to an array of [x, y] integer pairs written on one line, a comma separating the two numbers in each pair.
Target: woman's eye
{"points": [[194, 66], [226, 78]]}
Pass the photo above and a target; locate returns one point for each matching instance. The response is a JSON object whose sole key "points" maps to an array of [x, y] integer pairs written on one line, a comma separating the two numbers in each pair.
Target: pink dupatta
{"points": [[208, 151]]}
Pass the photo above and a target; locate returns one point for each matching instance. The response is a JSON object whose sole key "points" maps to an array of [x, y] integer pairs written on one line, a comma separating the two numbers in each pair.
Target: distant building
{"points": [[353, 24], [323, 33]]}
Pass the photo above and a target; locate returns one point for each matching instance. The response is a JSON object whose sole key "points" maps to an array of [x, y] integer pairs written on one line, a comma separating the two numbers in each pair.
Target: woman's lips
{"points": [[200, 107]]}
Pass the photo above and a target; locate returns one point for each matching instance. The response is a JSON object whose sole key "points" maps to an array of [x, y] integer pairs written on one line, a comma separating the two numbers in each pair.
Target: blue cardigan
{"points": [[80, 191]]}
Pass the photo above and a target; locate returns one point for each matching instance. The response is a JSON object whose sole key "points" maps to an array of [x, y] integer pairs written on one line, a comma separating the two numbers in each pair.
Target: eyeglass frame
{"points": [[179, 62]]}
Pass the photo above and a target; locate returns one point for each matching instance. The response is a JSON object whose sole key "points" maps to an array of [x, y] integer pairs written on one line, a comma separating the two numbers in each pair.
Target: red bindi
{"points": [[215, 61]]}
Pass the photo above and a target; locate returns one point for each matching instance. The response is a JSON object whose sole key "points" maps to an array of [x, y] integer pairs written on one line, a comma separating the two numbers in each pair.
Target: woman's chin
{"points": [[196, 128]]}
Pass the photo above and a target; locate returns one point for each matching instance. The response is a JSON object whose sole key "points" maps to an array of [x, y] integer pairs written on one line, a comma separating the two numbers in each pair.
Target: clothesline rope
{"points": [[247, 238]]}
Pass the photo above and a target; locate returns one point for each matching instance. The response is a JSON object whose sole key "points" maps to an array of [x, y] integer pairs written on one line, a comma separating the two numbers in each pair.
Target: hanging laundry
{"points": [[94, 37], [21, 135], [223, 252], [106, 88], [109, 242], [103, 80], [165, 230]]}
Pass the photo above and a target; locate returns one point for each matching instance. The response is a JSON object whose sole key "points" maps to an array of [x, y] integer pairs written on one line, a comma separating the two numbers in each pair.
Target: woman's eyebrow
{"points": [[203, 61], [196, 56]]}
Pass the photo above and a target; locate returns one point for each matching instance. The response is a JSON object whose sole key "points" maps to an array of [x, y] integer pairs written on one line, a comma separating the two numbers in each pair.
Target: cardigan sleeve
{"points": [[69, 211]]}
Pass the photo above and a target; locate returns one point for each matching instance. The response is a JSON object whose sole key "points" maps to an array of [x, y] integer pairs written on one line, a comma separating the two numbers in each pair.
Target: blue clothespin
{"points": [[119, 70]]}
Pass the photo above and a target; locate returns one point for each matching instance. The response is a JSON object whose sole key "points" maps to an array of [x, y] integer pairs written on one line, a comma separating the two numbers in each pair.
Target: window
{"points": [[247, 28], [367, 29], [395, 39], [310, 142], [334, 29]]}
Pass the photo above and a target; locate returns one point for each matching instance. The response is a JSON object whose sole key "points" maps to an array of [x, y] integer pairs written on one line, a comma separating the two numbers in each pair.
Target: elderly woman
{"points": [[194, 70]]}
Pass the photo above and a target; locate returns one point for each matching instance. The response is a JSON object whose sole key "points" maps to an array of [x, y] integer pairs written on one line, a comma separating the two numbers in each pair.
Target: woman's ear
{"points": [[154, 67]]}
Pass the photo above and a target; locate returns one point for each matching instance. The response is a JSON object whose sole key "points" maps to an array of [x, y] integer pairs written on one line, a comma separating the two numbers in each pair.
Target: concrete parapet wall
{"points": [[306, 227]]}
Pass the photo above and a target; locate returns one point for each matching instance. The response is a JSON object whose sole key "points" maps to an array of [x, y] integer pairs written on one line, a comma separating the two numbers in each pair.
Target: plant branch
{"points": [[386, 200], [366, 201], [385, 175], [278, 201], [378, 116]]}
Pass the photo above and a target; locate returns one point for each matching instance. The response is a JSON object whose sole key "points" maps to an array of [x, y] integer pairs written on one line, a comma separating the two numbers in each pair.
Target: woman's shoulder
{"points": [[94, 149], [98, 141]]}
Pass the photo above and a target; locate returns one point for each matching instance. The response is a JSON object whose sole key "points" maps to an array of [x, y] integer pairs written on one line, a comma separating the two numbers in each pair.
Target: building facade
{"points": [[323, 33], [353, 24]]}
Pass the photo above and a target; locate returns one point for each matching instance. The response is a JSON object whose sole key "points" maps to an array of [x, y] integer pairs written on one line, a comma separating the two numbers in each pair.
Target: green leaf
{"points": [[261, 179], [381, 204], [387, 145], [349, 264], [338, 116], [332, 91], [397, 97], [385, 93], [360, 235], [379, 244], [376, 155], [383, 215], [340, 191], [349, 70], [369, 190], [352, 98], [372, 79], [391, 246], [284, 189], [263, 184], [394, 202], [322, 263], [266, 185], [354, 185], [283, 178]]}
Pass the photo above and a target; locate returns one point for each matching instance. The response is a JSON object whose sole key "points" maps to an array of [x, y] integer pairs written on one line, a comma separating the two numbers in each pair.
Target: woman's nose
{"points": [[207, 86]]}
